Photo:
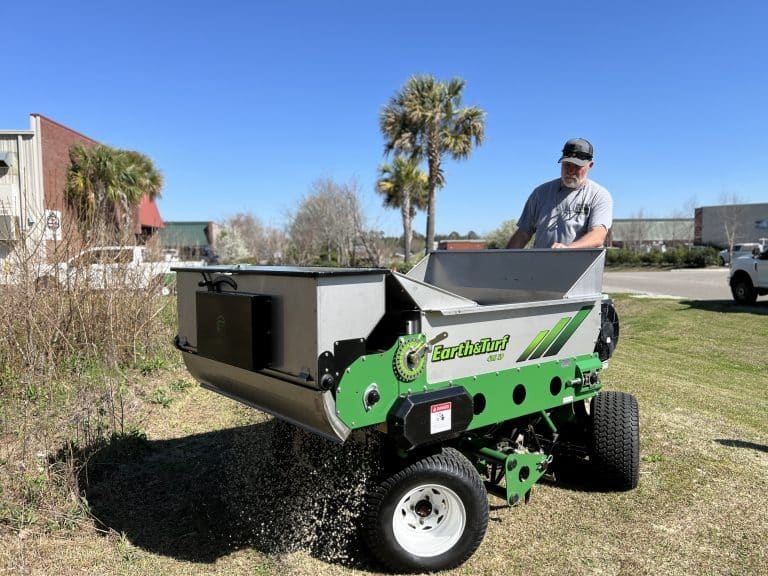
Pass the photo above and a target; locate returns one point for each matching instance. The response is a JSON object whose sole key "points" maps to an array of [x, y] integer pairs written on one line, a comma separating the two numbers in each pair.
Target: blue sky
{"points": [[242, 105]]}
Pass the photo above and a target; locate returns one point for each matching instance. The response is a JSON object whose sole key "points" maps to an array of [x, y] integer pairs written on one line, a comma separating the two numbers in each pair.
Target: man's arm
{"points": [[519, 239], [595, 238]]}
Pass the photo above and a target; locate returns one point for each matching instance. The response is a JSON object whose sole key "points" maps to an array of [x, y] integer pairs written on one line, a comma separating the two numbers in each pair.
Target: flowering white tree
{"points": [[243, 238]]}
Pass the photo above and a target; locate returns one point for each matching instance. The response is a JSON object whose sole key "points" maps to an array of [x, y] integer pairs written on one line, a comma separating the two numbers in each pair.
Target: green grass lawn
{"points": [[203, 493]]}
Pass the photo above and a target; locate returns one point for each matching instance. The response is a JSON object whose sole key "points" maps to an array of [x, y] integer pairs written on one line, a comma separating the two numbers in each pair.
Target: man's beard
{"points": [[571, 181]]}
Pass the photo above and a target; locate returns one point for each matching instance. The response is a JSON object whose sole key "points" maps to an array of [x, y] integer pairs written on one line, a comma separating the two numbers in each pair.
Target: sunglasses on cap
{"points": [[576, 154]]}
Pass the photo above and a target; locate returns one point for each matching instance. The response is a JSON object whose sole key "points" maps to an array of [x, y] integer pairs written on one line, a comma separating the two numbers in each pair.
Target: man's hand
{"points": [[558, 245]]}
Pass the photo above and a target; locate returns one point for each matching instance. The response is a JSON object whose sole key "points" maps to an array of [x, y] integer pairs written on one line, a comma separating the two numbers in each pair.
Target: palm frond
{"points": [[426, 120], [107, 183]]}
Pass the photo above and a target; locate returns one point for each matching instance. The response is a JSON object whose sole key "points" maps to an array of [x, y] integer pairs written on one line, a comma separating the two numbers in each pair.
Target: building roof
{"points": [[189, 234], [753, 205], [149, 215], [63, 127]]}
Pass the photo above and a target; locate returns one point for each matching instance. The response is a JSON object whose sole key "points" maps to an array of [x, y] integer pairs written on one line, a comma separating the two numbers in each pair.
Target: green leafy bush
{"points": [[677, 257]]}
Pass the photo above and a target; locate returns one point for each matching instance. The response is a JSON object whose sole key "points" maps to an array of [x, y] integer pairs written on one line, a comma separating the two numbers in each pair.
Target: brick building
{"points": [[461, 244], [33, 174]]}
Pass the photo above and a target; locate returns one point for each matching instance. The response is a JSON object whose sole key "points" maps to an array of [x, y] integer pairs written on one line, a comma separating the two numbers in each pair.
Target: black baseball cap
{"points": [[577, 151]]}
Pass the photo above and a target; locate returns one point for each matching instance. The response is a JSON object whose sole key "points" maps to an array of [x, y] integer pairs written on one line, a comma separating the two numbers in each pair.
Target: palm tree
{"points": [[426, 121], [404, 186], [140, 176], [105, 184], [88, 177]]}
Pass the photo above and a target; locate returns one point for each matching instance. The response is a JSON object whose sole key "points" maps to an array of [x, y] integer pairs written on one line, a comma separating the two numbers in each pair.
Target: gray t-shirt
{"points": [[559, 214]]}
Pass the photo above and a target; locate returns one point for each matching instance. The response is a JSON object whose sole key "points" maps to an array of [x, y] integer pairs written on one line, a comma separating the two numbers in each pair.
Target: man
{"points": [[569, 212]]}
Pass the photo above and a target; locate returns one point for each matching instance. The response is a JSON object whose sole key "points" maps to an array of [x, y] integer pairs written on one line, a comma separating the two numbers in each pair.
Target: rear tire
{"points": [[615, 440], [432, 515], [743, 291]]}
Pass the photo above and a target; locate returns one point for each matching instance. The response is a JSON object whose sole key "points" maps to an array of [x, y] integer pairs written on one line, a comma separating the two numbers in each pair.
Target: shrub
{"points": [[678, 257], [622, 257], [401, 267], [652, 258], [702, 257], [66, 353]]}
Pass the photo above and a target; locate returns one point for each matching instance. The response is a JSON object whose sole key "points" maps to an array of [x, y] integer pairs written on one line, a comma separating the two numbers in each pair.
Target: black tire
{"points": [[438, 496], [743, 291], [615, 440]]}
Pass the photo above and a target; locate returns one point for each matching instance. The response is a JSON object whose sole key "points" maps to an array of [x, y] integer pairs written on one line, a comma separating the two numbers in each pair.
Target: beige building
{"points": [[650, 232], [22, 214], [730, 224]]}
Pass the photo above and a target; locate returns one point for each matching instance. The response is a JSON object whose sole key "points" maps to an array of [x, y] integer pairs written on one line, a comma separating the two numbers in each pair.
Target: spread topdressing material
{"points": [[474, 366]]}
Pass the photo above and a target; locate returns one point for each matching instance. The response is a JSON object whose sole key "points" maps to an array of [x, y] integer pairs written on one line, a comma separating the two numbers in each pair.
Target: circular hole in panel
{"points": [[478, 401], [518, 394]]}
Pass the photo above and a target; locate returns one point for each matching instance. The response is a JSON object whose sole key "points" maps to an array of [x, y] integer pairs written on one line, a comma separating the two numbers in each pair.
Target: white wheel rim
{"points": [[429, 520]]}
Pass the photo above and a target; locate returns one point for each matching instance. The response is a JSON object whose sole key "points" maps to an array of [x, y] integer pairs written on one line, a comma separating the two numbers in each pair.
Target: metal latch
{"points": [[415, 355]]}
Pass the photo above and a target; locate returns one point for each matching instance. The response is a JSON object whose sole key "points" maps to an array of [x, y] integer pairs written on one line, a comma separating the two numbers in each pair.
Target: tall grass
{"points": [[69, 355]]}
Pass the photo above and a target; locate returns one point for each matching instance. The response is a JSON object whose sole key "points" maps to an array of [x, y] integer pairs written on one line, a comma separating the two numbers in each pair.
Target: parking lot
{"points": [[695, 284]]}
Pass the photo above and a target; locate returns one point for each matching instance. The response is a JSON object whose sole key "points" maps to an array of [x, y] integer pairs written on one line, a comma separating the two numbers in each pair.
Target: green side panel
{"points": [[378, 369], [532, 346], [550, 338], [569, 330], [498, 396], [522, 391], [366, 370]]}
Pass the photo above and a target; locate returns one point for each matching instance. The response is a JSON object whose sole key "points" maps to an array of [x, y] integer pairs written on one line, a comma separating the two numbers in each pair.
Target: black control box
{"points": [[419, 419], [235, 328]]}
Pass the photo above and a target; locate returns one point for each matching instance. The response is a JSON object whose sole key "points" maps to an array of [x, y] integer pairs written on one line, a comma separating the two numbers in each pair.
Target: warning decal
{"points": [[440, 418]]}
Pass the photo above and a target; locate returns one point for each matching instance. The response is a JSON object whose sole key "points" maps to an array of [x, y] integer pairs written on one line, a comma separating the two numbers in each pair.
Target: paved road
{"points": [[697, 284]]}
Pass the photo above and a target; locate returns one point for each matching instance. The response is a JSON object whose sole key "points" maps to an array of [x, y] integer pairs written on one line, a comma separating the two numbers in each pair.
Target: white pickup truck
{"points": [[103, 267], [749, 276]]}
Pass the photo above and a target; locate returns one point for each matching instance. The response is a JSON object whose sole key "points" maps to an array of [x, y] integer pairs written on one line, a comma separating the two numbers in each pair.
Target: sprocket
{"points": [[406, 364]]}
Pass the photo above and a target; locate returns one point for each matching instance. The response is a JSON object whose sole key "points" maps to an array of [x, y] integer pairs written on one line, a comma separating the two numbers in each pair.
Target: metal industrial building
{"points": [[22, 213], [192, 240], [650, 232], [730, 224], [718, 226]]}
